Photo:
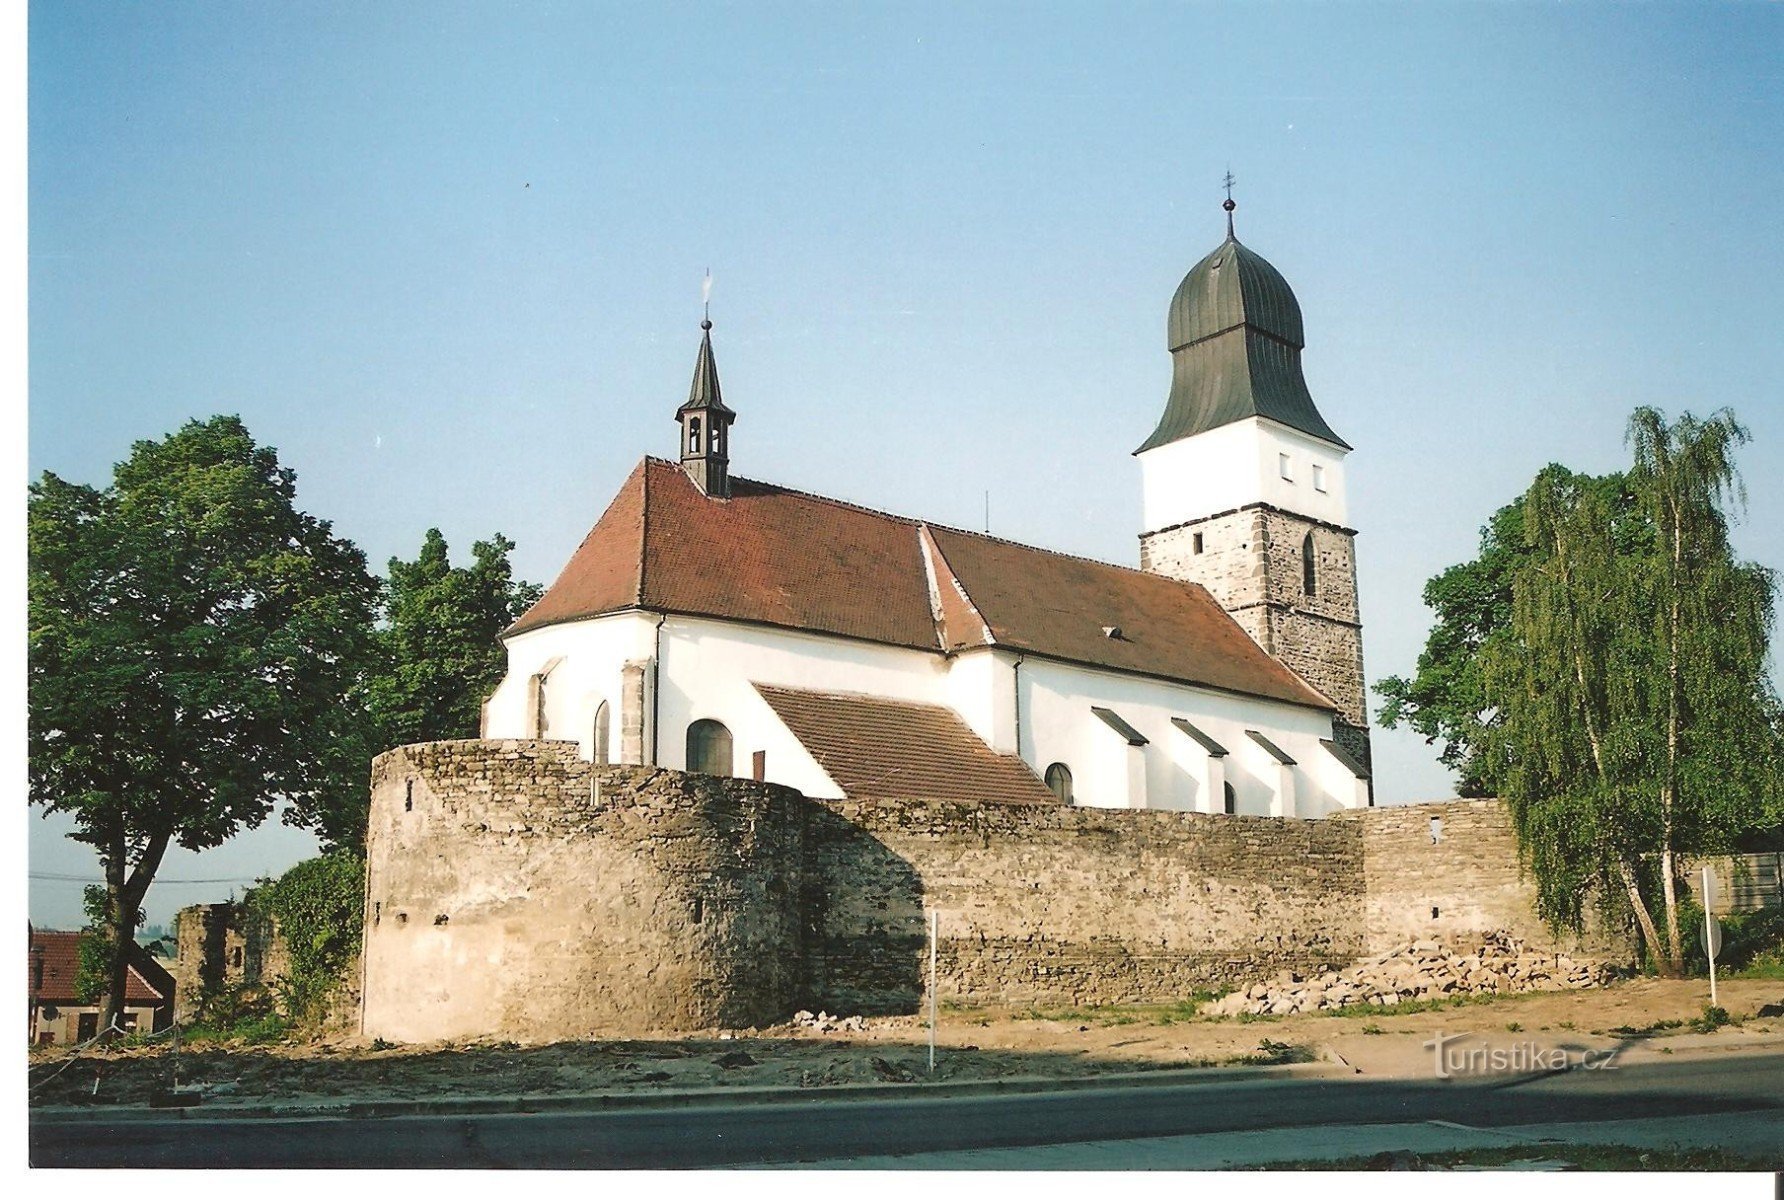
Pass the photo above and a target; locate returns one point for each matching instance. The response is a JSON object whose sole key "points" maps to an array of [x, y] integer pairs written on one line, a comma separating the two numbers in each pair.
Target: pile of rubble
{"points": [[1425, 970], [825, 1023]]}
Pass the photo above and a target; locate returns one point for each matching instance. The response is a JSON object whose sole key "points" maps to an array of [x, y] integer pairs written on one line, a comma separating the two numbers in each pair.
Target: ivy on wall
{"points": [[318, 905]]}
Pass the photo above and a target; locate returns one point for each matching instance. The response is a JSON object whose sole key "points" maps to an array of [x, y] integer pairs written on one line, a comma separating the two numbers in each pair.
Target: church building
{"points": [[718, 624]]}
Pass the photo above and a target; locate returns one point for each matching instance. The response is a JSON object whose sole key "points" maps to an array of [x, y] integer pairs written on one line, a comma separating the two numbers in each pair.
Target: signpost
{"points": [[934, 919], [1712, 932]]}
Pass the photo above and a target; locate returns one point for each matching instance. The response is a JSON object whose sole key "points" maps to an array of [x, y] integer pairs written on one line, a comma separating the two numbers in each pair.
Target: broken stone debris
{"points": [[1424, 970]]}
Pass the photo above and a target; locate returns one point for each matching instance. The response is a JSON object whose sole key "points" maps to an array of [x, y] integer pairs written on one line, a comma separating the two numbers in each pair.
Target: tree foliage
{"points": [[1446, 699], [193, 641], [319, 907], [1602, 668], [437, 655], [442, 639]]}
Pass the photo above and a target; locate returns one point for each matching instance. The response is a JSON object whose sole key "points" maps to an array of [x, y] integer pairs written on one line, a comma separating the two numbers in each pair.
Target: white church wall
{"points": [[1237, 464], [1058, 726], [708, 667], [588, 655], [981, 688]]}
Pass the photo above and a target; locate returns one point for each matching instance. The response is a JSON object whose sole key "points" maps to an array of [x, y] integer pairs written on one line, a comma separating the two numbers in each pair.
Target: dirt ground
{"points": [[972, 1044]]}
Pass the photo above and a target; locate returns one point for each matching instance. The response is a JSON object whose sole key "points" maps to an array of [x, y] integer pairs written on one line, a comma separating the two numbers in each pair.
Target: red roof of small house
{"points": [[774, 556], [59, 953], [879, 749]]}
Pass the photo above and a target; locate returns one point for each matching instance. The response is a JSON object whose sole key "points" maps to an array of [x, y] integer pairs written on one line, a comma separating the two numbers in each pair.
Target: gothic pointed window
{"points": [[598, 751], [1307, 567], [536, 720], [1059, 782], [709, 748]]}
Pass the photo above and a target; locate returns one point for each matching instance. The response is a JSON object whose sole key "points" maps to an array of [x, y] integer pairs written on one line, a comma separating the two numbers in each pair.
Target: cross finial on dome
{"points": [[1229, 205]]}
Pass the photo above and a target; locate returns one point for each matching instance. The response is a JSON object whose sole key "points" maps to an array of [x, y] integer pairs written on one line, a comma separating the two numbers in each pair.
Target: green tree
{"points": [[1627, 718], [438, 656], [193, 640], [1446, 700], [1709, 621], [441, 640]]}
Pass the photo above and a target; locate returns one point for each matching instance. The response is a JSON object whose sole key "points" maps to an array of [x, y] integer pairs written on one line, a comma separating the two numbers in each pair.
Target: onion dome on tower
{"points": [[1235, 338]]}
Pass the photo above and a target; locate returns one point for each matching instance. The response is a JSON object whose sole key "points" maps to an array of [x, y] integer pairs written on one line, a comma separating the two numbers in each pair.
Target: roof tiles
{"points": [[774, 556], [879, 749]]}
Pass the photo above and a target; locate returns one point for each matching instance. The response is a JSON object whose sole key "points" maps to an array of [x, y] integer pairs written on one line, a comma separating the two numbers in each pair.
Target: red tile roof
{"points": [[879, 749], [775, 556], [61, 958]]}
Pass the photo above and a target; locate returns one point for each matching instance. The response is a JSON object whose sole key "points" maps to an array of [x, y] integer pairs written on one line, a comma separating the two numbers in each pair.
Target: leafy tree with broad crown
{"points": [[194, 639], [1612, 687]]}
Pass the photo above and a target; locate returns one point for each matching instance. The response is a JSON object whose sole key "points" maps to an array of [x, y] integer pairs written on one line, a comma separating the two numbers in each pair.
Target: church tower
{"points": [[1243, 480], [706, 424]]}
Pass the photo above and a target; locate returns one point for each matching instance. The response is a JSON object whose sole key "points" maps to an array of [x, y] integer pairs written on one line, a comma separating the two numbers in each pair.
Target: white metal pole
{"points": [[934, 929], [1708, 944]]}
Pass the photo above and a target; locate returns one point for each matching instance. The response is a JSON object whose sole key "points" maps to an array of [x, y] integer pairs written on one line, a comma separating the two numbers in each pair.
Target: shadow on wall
{"points": [[865, 937]]}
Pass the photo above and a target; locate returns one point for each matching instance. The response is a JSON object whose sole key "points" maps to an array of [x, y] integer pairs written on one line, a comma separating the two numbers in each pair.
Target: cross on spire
{"points": [[1229, 205]]}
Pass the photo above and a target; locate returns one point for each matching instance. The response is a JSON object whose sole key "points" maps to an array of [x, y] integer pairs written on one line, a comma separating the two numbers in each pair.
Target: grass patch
{"points": [[1185, 1010], [1714, 1018], [248, 1031], [1658, 1027]]}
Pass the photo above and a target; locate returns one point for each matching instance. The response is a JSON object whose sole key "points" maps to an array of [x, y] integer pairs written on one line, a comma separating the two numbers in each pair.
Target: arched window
{"points": [[1307, 572], [536, 722], [693, 435], [709, 748], [602, 720], [1232, 799], [1059, 782]]}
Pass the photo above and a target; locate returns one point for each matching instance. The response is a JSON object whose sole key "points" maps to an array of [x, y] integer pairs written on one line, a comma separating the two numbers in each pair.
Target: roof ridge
{"points": [[920, 522], [926, 539], [643, 528], [830, 500]]}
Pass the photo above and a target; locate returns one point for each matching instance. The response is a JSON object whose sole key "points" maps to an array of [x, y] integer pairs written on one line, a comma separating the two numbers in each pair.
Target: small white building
{"points": [[718, 624]]}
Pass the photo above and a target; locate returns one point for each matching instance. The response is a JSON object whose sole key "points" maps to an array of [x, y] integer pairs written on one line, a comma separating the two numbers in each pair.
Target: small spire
{"points": [[1229, 205]]}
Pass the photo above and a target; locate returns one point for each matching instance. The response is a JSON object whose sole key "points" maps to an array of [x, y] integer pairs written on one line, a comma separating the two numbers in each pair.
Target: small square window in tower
{"points": [[1282, 465], [1319, 478]]}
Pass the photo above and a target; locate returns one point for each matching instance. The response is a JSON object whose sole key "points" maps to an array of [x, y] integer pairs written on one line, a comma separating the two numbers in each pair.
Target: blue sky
{"points": [[447, 259]]}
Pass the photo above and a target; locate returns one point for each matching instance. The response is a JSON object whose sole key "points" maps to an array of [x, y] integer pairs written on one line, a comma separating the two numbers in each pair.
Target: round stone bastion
{"points": [[515, 891]]}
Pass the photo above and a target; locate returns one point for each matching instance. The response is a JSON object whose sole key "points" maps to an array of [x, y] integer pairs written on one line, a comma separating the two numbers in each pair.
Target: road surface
{"points": [[820, 1130]]}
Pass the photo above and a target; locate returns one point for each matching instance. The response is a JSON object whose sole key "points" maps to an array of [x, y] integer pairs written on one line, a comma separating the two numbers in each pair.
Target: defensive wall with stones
{"points": [[515, 891]]}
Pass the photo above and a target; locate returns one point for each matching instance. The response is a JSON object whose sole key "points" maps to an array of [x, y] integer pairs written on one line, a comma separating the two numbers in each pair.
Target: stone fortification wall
{"points": [[1058, 906], [223, 946], [515, 891], [1449, 871]]}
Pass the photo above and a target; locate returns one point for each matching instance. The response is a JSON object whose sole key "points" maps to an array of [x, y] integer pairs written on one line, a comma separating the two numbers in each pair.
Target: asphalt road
{"points": [[819, 1130]]}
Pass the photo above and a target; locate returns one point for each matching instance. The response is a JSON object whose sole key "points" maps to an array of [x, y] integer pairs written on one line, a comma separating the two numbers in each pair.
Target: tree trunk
{"points": [[1675, 949], [1669, 792], [114, 932], [1642, 917], [123, 909]]}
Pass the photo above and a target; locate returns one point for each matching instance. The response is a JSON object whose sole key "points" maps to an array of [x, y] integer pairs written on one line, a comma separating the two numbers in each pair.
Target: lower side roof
{"points": [[879, 749]]}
